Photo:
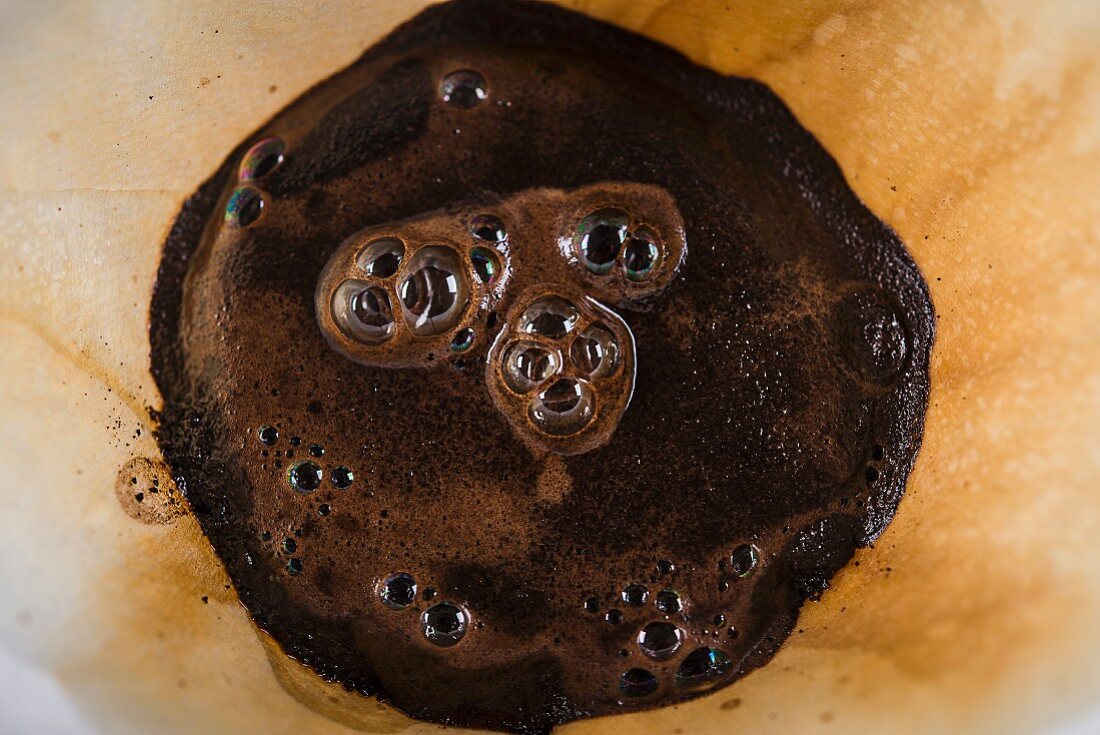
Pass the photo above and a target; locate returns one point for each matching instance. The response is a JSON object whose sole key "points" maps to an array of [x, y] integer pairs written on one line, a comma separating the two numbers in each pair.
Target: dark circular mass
{"points": [[741, 346]]}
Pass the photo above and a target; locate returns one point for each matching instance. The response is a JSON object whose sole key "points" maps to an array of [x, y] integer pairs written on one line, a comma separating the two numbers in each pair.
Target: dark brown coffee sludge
{"points": [[568, 370]]}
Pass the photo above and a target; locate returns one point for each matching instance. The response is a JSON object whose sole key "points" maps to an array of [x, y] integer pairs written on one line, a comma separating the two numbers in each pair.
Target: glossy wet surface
{"points": [[467, 540]]}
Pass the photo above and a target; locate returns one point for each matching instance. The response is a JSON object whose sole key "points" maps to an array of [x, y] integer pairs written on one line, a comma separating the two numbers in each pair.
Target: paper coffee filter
{"points": [[972, 128]]}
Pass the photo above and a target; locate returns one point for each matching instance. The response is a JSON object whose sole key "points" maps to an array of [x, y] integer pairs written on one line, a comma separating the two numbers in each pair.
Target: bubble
{"points": [[463, 340], [435, 293], [444, 624], [668, 602], [591, 605], [398, 591], [316, 450], [637, 683], [382, 258], [488, 228], [261, 159], [363, 311], [528, 364], [486, 264], [244, 206], [599, 238], [294, 567], [595, 351], [550, 316], [290, 545], [701, 667], [635, 595], [305, 476], [342, 478], [563, 408], [463, 89], [664, 566], [640, 257], [660, 640], [267, 435], [743, 559], [614, 617]]}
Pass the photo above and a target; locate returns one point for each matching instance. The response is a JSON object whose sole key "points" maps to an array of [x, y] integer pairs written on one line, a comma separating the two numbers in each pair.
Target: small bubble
{"points": [[463, 89], [871, 474], [398, 591], [640, 256], [599, 238], [429, 593], [660, 640], [444, 624], [317, 451], [265, 536], [244, 207], [488, 228], [290, 545], [664, 566], [528, 364], [719, 619], [267, 435], [296, 440], [701, 667], [371, 306], [486, 264], [294, 567], [743, 559], [637, 683], [342, 478], [549, 316], [323, 509], [595, 351], [635, 595], [435, 292], [668, 602], [463, 340], [613, 616], [261, 159], [591, 605], [382, 258], [564, 407], [305, 476]]}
